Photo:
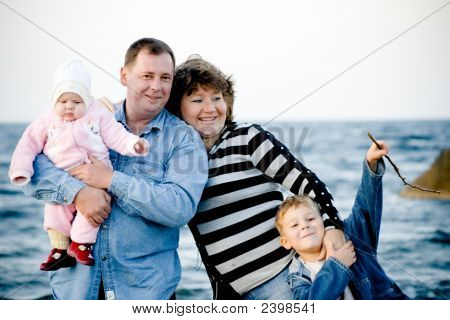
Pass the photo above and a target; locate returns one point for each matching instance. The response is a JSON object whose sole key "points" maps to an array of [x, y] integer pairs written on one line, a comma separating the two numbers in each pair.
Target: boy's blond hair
{"points": [[293, 202]]}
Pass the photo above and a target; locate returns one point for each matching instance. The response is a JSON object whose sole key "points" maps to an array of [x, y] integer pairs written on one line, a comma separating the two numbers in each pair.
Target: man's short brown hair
{"points": [[151, 45]]}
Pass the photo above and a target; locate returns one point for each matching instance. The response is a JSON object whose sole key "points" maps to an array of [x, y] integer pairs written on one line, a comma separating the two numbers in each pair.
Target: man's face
{"points": [[303, 230], [149, 80]]}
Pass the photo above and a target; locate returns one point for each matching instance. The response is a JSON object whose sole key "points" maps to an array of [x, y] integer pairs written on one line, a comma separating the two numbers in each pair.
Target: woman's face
{"points": [[205, 110]]}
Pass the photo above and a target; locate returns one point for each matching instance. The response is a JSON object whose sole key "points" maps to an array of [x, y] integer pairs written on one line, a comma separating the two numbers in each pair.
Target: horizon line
{"points": [[290, 121]]}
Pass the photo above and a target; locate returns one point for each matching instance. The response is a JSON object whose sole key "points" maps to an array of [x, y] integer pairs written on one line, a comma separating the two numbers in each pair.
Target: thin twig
{"points": [[398, 170]]}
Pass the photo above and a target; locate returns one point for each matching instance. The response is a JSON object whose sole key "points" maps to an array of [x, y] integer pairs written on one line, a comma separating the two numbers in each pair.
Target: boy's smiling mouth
{"points": [[307, 235]]}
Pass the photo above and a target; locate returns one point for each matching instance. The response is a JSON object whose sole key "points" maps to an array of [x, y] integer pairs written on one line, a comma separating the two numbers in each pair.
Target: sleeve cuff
{"points": [[341, 266], [332, 222], [20, 177], [379, 172], [68, 189], [119, 185], [130, 147]]}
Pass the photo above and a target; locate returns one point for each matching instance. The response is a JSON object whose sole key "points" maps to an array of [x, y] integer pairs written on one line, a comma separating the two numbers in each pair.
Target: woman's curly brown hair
{"points": [[197, 72]]}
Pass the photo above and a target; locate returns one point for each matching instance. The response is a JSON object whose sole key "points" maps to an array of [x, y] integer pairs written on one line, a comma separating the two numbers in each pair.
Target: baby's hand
{"points": [[345, 254], [374, 154], [142, 146]]}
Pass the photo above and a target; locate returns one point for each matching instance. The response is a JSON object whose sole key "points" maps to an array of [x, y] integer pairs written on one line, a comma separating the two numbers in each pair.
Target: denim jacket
{"points": [[365, 278], [153, 196]]}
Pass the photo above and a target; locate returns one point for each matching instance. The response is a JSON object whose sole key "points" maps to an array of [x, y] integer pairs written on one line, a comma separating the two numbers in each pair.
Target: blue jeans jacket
{"points": [[153, 196], [366, 278]]}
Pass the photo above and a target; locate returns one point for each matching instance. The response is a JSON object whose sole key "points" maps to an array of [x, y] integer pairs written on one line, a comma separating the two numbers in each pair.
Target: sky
{"points": [[290, 60]]}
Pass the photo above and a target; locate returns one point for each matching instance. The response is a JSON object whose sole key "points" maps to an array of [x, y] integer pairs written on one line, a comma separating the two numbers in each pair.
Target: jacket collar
{"points": [[297, 266], [156, 123]]}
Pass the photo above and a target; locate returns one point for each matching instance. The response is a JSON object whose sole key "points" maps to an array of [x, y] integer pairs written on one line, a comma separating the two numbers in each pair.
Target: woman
{"points": [[250, 174]]}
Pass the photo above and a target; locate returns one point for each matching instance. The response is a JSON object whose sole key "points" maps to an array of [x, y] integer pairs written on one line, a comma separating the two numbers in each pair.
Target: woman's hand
{"points": [[95, 174], [345, 254], [334, 238]]}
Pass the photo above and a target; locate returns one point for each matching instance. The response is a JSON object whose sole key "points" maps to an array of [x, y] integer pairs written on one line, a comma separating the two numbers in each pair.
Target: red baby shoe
{"points": [[82, 252], [57, 258]]}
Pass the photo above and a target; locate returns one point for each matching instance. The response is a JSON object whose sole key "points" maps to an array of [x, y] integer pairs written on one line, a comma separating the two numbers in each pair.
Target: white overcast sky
{"points": [[277, 51]]}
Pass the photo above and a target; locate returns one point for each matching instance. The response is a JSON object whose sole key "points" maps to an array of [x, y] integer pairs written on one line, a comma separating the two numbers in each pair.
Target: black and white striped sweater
{"points": [[250, 174]]}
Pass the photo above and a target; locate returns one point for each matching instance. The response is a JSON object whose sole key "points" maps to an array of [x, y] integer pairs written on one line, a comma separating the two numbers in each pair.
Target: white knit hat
{"points": [[72, 76]]}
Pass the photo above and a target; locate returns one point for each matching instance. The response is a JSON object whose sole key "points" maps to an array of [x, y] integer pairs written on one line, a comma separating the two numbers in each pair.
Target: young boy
{"points": [[351, 272]]}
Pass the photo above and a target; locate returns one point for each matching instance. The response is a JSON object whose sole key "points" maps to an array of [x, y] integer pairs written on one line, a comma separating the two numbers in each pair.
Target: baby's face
{"points": [[70, 106], [303, 230]]}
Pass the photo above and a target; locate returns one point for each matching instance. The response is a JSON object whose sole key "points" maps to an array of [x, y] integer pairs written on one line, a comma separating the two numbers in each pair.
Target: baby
{"points": [[76, 127], [346, 273]]}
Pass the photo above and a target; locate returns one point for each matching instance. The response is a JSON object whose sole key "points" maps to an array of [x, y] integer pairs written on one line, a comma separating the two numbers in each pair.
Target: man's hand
{"points": [[95, 174], [346, 254], [94, 204]]}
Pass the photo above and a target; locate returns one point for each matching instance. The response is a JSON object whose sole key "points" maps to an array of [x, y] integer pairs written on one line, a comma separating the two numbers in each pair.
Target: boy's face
{"points": [[70, 106], [302, 230]]}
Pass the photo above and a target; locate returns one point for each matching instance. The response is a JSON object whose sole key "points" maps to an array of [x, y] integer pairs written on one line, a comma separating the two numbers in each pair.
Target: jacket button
{"points": [[104, 258]]}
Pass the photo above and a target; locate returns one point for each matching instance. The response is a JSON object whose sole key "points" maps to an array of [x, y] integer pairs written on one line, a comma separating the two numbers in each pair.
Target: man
{"points": [[153, 196]]}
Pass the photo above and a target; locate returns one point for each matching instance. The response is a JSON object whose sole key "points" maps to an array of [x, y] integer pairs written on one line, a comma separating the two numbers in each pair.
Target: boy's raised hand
{"points": [[374, 154], [345, 254]]}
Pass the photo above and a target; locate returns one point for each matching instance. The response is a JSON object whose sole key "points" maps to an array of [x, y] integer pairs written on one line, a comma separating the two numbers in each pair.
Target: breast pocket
{"points": [[149, 170]]}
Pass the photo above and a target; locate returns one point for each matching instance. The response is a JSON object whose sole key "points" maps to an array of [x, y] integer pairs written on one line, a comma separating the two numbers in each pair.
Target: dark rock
{"points": [[436, 178]]}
